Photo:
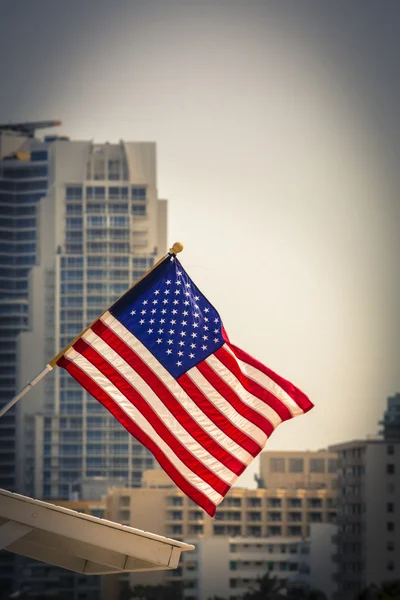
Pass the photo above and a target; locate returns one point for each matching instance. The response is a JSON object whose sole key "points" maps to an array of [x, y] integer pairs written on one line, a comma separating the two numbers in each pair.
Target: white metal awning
{"points": [[79, 542]]}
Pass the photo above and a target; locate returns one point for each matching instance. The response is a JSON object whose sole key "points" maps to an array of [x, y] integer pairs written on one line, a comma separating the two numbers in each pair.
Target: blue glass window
{"points": [[138, 193], [73, 192], [139, 211], [37, 155]]}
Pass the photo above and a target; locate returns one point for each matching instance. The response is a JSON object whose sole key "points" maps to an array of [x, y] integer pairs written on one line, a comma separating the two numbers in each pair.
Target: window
{"points": [[390, 546], [390, 470], [390, 507], [296, 465], [73, 192], [317, 465], [118, 208], [38, 155], [139, 211], [138, 193], [277, 465], [390, 449], [390, 526], [114, 169], [332, 465]]}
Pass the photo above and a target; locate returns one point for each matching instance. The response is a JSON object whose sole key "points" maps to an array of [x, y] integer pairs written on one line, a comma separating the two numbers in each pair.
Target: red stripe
{"points": [[151, 416], [220, 420], [97, 392], [227, 392], [297, 395], [252, 386], [168, 399]]}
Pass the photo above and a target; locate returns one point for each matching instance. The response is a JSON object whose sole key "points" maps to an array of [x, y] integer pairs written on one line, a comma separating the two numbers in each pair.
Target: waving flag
{"points": [[161, 362]]}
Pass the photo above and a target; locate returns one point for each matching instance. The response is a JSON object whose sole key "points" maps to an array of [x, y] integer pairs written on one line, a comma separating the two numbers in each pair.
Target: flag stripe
{"points": [[246, 411], [201, 429], [246, 397], [117, 375], [256, 369], [175, 471], [191, 393], [131, 411], [194, 388], [277, 400]]}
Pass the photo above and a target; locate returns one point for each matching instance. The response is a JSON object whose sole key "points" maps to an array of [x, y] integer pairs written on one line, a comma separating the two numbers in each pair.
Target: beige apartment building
{"points": [[273, 512]]}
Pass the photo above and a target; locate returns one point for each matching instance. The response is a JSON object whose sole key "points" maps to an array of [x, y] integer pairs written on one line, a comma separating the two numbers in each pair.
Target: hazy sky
{"points": [[277, 127]]}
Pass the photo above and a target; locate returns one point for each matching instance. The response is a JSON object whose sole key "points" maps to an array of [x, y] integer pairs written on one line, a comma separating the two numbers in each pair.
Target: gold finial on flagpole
{"points": [[176, 248]]}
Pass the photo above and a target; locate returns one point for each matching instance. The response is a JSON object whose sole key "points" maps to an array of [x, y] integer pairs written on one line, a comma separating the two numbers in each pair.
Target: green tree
{"points": [[388, 590], [268, 588]]}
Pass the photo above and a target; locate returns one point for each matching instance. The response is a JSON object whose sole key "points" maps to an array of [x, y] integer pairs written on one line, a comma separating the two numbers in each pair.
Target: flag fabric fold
{"points": [[161, 362]]}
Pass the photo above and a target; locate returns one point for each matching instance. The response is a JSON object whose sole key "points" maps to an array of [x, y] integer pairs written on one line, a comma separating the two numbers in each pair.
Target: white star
{"points": [[197, 297], [177, 291], [216, 320], [153, 312], [170, 342], [204, 347], [191, 355], [193, 345], [186, 303], [179, 363], [161, 331], [142, 312], [173, 322], [206, 319], [181, 343], [216, 330], [133, 312], [155, 301], [185, 313], [178, 282], [166, 291], [142, 321], [196, 315], [151, 321], [205, 337], [180, 353], [145, 302], [159, 341], [205, 328], [168, 282], [187, 293], [176, 302], [206, 310], [195, 324], [216, 340], [169, 351], [174, 311], [194, 334], [183, 322], [164, 310], [162, 320], [196, 306], [149, 331], [171, 332], [179, 272], [187, 284], [183, 333], [157, 292], [165, 301]]}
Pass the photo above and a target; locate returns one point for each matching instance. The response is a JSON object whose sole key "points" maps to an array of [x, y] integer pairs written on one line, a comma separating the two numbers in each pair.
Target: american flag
{"points": [[161, 362]]}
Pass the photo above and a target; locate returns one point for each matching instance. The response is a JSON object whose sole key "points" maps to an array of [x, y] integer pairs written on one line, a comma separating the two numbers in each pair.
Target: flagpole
{"points": [[176, 248], [26, 389]]}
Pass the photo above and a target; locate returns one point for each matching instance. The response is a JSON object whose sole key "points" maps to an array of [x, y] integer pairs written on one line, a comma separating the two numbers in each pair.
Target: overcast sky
{"points": [[277, 128]]}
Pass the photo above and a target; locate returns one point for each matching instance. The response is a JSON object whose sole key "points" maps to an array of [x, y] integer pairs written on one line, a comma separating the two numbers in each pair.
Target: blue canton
{"points": [[171, 317]]}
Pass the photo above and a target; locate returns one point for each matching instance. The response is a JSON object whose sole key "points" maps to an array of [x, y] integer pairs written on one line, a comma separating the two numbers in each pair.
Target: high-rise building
{"points": [[80, 223], [298, 469], [391, 420], [368, 541]]}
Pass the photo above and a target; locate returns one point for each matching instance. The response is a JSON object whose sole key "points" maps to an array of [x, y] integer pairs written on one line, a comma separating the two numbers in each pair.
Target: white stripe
{"points": [[255, 403], [240, 422], [178, 392], [131, 411], [161, 411], [267, 383]]}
